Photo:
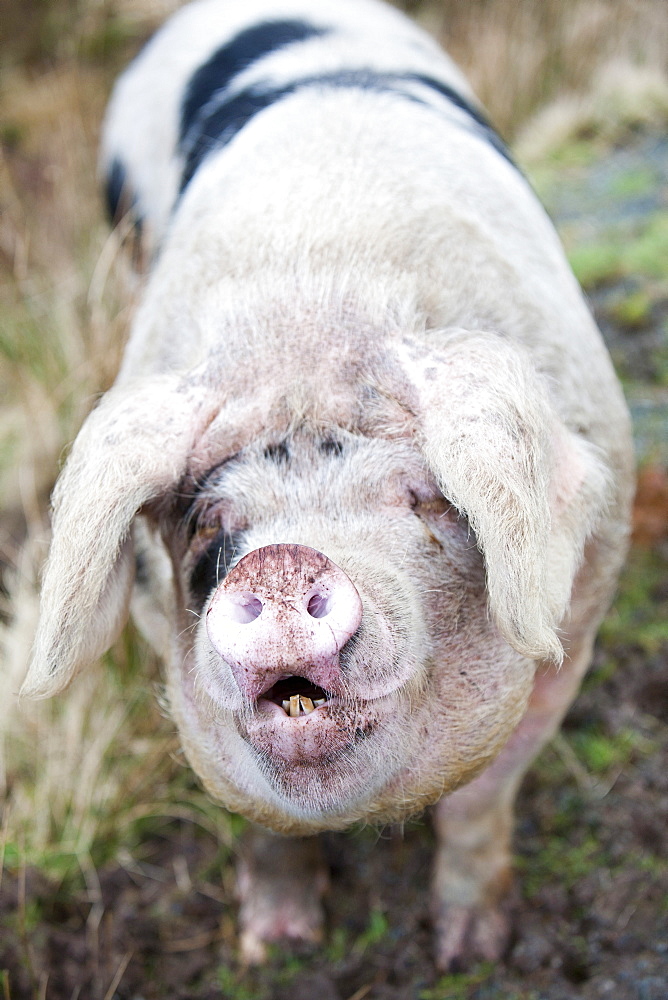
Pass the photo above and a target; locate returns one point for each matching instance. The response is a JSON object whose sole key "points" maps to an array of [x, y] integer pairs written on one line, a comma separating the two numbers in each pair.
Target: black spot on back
{"points": [[212, 567], [215, 128]]}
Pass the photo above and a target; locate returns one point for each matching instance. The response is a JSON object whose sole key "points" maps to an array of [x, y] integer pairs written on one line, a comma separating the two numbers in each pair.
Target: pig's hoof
{"points": [[295, 936], [467, 935], [280, 883]]}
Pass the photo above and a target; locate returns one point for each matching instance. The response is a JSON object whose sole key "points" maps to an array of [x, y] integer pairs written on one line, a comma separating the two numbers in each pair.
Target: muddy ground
{"points": [[156, 919]]}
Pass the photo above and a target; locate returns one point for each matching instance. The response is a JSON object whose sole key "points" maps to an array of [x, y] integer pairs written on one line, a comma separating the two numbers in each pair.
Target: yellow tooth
{"points": [[286, 706], [294, 706], [318, 702], [307, 704]]}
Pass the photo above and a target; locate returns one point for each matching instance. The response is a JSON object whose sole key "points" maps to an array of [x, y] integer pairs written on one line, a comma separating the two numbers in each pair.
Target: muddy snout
{"points": [[284, 610]]}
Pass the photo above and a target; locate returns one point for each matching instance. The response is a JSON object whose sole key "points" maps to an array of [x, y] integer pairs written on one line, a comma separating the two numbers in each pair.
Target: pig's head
{"points": [[350, 608]]}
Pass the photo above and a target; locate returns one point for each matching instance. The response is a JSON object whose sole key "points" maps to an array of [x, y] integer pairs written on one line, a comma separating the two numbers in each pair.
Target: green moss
{"points": [[12, 134], [234, 985], [640, 252], [632, 311], [56, 864], [660, 361], [647, 254], [579, 152], [639, 615], [650, 864], [338, 945], [599, 752], [599, 674], [597, 263], [569, 863], [639, 181], [374, 932], [459, 986]]}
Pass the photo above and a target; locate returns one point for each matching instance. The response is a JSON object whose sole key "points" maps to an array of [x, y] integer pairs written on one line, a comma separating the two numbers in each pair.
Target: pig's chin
{"points": [[313, 746], [311, 757]]}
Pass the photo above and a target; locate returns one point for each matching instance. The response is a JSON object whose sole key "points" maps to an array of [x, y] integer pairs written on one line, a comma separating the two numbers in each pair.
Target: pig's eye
{"points": [[426, 500]]}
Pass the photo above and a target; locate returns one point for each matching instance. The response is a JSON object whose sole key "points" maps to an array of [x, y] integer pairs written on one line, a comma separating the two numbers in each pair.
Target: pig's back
{"points": [[216, 64], [283, 158]]}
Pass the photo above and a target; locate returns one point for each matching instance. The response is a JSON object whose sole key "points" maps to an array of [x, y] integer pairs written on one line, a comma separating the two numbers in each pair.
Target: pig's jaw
{"points": [[350, 760], [301, 773]]}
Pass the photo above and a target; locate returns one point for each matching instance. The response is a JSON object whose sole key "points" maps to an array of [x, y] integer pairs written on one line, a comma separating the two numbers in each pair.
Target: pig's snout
{"points": [[284, 610]]}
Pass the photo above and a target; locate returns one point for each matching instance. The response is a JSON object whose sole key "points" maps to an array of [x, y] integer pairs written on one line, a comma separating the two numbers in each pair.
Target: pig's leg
{"points": [[474, 829], [281, 881]]}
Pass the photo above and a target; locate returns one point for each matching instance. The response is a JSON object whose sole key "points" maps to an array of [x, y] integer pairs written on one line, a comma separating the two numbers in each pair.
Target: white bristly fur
{"points": [[361, 259]]}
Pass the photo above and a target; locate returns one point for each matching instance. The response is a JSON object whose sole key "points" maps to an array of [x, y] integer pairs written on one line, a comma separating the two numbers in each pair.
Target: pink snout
{"points": [[284, 610]]}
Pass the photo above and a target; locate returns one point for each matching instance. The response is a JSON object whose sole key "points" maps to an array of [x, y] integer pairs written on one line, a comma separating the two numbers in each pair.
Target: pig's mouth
{"points": [[304, 733], [297, 696]]}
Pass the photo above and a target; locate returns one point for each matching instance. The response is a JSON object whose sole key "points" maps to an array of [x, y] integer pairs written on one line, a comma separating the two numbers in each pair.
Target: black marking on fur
{"points": [[278, 453], [212, 567], [121, 201], [220, 126], [223, 118], [119, 197], [142, 575], [114, 190], [474, 113], [329, 446], [238, 54]]}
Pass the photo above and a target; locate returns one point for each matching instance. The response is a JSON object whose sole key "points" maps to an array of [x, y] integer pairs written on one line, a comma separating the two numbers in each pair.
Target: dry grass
{"points": [[521, 55], [70, 770]]}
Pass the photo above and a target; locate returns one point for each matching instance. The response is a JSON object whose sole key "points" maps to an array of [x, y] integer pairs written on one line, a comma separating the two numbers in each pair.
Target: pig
{"points": [[364, 476]]}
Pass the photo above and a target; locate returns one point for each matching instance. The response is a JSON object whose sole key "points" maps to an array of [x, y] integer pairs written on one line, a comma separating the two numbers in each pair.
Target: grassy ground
{"points": [[115, 867]]}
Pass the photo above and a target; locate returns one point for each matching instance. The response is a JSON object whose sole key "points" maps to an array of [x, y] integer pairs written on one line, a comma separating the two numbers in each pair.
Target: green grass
{"points": [[639, 252], [569, 863], [600, 752], [459, 986], [374, 933], [633, 310], [639, 615], [631, 183], [234, 985]]}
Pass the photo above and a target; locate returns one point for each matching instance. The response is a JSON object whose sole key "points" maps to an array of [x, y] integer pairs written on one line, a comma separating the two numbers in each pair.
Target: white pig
{"points": [[365, 428]]}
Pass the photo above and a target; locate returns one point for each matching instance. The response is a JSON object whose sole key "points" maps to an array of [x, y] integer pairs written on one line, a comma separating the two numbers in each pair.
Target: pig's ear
{"points": [[532, 490], [132, 448]]}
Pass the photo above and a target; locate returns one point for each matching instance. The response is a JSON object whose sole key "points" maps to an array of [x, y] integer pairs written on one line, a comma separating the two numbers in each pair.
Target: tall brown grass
{"points": [[69, 769]]}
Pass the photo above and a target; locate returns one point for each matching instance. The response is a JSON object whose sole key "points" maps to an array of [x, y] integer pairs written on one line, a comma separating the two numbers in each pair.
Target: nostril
{"points": [[319, 606], [242, 608]]}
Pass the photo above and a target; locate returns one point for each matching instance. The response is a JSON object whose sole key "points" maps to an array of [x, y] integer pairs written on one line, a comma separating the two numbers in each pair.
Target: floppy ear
{"points": [[132, 448], [532, 490]]}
